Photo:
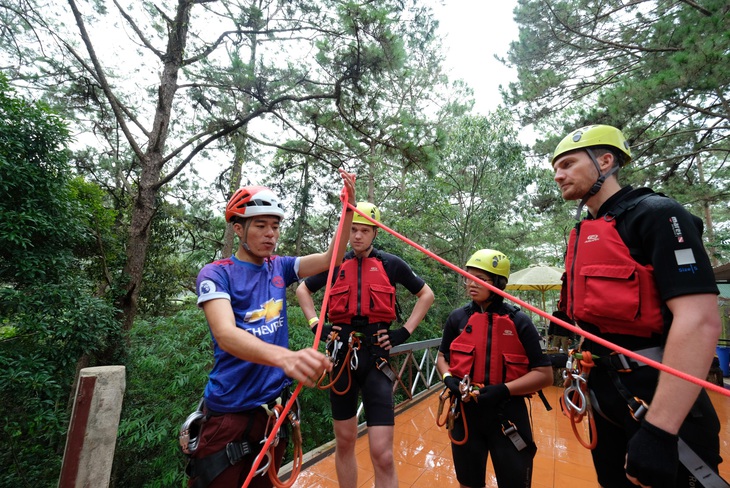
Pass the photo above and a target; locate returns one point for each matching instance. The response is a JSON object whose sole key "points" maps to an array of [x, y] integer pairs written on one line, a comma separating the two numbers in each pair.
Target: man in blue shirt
{"points": [[244, 301]]}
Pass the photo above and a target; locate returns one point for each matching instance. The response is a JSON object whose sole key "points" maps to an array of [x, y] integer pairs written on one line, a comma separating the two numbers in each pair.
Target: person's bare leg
{"points": [[345, 460], [381, 453]]}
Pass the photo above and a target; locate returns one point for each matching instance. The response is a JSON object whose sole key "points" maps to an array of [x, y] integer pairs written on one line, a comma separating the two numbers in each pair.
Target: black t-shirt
{"points": [[557, 329], [526, 330], [397, 270]]}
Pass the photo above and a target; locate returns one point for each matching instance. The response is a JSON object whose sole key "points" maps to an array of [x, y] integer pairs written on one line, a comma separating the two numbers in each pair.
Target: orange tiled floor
{"points": [[423, 455]]}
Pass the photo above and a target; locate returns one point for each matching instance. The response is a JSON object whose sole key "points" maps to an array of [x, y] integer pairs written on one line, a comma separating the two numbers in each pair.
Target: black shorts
{"points": [[376, 388]]}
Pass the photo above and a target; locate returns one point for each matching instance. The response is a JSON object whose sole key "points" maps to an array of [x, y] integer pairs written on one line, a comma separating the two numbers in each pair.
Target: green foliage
{"points": [[186, 238], [169, 358], [49, 316]]}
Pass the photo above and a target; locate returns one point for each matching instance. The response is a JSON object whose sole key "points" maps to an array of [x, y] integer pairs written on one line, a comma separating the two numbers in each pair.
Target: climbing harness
{"points": [[616, 363], [205, 470], [576, 402], [350, 362], [351, 359]]}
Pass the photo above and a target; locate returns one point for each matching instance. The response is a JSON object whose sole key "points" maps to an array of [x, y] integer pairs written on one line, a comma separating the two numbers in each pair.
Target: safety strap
{"points": [[624, 364], [511, 432], [384, 366], [638, 407], [205, 470], [698, 468], [544, 399]]}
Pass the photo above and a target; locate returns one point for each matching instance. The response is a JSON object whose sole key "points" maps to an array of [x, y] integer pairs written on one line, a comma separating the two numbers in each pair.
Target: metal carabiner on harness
{"points": [[336, 346], [465, 387], [354, 344], [576, 389], [273, 413], [264, 468], [190, 430]]}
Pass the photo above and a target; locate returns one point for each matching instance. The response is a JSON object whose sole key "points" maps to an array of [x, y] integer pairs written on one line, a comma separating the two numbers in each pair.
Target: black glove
{"points": [[452, 383], [398, 336], [652, 456], [326, 330], [492, 395]]}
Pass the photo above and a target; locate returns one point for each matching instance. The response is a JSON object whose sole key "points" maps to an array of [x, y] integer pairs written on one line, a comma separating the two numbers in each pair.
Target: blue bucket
{"points": [[723, 355]]}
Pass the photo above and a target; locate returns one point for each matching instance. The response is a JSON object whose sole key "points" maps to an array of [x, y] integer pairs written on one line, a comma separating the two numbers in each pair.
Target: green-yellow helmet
{"points": [[366, 208], [591, 136], [490, 261]]}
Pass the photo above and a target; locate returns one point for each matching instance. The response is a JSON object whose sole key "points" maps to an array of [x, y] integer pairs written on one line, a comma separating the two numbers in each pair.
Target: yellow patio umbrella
{"points": [[538, 278]]}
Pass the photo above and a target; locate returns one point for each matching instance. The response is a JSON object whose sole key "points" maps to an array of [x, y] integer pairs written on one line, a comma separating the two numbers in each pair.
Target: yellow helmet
{"points": [[366, 208], [490, 261], [593, 135]]}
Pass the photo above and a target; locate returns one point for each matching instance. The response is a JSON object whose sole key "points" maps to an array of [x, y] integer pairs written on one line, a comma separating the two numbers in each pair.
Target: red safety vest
{"points": [[606, 287], [491, 336], [362, 288]]}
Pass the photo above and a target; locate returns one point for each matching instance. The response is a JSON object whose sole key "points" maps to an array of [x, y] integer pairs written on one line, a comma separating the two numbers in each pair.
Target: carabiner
{"points": [[265, 468], [354, 345], [579, 407], [465, 387]]}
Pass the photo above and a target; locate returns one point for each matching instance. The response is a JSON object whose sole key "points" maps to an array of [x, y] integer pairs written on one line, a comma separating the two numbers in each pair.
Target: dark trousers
{"points": [[219, 430], [512, 468], [615, 426]]}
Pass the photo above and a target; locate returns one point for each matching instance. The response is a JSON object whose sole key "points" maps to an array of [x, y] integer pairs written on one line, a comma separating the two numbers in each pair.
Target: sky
{"points": [[475, 31]]}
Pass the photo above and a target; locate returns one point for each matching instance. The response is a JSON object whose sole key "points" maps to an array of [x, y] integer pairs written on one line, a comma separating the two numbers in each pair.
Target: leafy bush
{"points": [[168, 363], [49, 317]]}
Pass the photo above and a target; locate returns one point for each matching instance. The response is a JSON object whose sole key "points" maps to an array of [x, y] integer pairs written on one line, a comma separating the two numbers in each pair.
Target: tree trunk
{"points": [[152, 162]]}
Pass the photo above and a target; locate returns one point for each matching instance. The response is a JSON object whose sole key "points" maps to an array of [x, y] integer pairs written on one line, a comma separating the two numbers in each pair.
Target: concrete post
{"points": [[92, 433]]}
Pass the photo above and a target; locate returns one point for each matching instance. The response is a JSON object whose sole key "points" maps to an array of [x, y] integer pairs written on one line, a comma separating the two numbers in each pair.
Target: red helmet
{"points": [[250, 201]]}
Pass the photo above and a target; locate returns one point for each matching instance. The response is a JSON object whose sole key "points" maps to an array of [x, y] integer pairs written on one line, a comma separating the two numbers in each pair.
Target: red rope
{"points": [[288, 406], [549, 317]]}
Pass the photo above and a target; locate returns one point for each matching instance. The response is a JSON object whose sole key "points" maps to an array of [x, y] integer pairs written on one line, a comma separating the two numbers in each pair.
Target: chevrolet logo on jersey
{"points": [[269, 311]]}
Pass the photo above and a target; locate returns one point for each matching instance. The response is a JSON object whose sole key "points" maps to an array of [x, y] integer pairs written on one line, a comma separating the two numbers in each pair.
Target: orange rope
{"points": [[345, 364], [449, 418], [297, 453]]}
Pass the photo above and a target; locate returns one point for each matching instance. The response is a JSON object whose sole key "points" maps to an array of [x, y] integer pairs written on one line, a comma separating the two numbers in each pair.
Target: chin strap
{"points": [[597, 185]]}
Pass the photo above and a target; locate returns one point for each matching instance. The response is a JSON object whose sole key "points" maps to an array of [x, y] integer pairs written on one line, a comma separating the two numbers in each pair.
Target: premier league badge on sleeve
{"points": [[207, 287]]}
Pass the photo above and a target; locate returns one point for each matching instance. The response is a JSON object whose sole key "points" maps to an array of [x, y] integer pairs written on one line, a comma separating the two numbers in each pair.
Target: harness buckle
{"points": [[624, 366], [237, 451], [383, 365], [514, 436], [639, 411]]}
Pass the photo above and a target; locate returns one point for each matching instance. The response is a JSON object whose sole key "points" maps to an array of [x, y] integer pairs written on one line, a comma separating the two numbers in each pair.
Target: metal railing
{"points": [[415, 366]]}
